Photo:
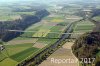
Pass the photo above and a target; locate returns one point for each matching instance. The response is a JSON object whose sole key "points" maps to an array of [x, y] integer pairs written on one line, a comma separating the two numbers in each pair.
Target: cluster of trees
{"points": [[87, 46], [96, 12], [20, 24]]}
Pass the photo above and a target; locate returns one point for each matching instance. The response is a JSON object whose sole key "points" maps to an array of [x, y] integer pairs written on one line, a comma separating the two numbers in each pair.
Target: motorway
{"points": [[49, 49]]}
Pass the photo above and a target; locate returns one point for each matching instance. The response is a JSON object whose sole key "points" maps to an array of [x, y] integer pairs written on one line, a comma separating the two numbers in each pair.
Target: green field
{"points": [[16, 53], [84, 26], [9, 12], [97, 18], [52, 35], [55, 19], [24, 54], [41, 33]]}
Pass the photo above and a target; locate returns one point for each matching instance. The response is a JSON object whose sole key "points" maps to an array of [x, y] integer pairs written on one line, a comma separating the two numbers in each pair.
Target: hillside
{"points": [[87, 46]]}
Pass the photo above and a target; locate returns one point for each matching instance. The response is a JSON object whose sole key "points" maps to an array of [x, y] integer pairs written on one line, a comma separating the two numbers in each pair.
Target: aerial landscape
{"points": [[50, 33]]}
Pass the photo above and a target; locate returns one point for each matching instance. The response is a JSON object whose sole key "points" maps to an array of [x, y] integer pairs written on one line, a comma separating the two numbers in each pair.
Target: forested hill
{"points": [[20, 24]]}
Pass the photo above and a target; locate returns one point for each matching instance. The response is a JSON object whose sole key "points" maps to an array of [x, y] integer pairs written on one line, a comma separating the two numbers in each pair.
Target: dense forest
{"points": [[20, 24], [87, 46]]}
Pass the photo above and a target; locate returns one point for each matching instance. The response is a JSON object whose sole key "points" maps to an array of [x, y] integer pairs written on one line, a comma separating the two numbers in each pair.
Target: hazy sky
{"points": [[27, 0], [7, 0], [12, 0], [42, 0]]}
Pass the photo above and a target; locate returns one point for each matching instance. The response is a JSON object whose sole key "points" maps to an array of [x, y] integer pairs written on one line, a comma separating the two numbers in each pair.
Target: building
{"points": [[1, 48]]}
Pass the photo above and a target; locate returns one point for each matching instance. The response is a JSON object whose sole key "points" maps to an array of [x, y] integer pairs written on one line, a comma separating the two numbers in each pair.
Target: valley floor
{"points": [[62, 53]]}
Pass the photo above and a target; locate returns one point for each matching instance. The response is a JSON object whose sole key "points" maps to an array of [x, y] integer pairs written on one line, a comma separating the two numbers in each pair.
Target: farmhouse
{"points": [[1, 47]]}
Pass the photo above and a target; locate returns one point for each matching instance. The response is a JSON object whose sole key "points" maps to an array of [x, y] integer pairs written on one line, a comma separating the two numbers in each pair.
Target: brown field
{"points": [[39, 45], [13, 42], [62, 53]]}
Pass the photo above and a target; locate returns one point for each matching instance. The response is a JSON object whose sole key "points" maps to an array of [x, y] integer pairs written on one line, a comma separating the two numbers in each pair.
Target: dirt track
{"points": [[62, 53]]}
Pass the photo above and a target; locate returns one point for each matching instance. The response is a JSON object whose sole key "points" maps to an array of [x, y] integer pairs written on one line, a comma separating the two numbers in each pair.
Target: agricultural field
{"points": [[97, 18], [11, 12], [54, 19], [27, 43], [41, 34], [15, 53], [82, 27]]}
